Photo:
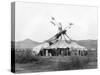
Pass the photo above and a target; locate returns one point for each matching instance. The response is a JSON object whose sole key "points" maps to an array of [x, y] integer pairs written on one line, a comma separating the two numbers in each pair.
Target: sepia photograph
{"points": [[53, 37]]}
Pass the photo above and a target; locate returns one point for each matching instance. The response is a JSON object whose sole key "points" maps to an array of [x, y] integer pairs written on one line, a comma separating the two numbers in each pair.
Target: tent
{"points": [[39, 47], [60, 40]]}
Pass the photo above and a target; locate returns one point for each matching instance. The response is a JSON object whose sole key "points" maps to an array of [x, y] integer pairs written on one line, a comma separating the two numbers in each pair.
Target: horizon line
{"points": [[44, 40]]}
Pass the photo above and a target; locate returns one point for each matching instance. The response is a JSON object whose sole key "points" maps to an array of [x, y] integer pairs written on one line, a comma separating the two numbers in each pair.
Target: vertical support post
{"points": [[46, 52]]}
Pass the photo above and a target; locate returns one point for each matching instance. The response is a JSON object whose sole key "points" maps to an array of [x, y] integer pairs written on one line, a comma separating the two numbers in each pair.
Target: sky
{"points": [[32, 21]]}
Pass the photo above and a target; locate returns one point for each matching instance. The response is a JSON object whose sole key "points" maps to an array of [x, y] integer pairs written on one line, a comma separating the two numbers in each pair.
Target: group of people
{"points": [[62, 52]]}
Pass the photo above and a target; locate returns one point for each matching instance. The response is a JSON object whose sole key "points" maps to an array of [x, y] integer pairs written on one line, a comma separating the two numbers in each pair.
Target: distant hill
{"points": [[88, 43], [30, 43], [26, 44]]}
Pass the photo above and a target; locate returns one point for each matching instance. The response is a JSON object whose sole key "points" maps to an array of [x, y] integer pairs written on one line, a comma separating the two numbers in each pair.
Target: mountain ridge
{"points": [[28, 43]]}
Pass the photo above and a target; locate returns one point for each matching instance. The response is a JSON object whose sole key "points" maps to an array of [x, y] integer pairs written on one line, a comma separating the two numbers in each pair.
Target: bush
{"points": [[25, 56]]}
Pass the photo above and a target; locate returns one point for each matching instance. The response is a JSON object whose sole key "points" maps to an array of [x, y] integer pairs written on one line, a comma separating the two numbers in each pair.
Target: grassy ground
{"points": [[58, 63]]}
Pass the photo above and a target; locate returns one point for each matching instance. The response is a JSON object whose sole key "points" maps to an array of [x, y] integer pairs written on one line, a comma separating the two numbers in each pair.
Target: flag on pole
{"points": [[52, 18], [60, 24], [53, 23], [70, 23]]}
